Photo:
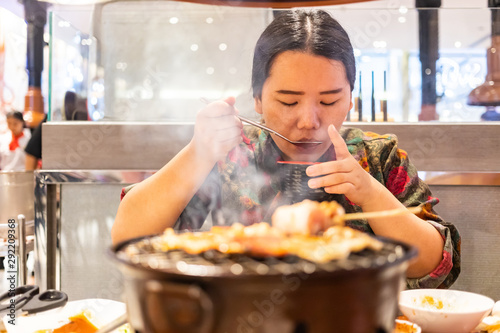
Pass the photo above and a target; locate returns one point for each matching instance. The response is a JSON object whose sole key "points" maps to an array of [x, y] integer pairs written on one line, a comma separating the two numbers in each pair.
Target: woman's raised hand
{"points": [[344, 175], [217, 130]]}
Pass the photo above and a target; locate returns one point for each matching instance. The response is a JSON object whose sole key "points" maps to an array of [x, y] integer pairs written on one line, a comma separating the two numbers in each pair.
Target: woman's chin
{"points": [[302, 153], [303, 157]]}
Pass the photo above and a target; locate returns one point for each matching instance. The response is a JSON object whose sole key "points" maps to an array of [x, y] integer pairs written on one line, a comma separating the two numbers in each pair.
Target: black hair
{"points": [[75, 107], [16, 115], [315, 32]]}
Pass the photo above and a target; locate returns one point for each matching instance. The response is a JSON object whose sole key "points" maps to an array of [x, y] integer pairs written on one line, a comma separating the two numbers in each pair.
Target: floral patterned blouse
{"points": [[245, 188]]}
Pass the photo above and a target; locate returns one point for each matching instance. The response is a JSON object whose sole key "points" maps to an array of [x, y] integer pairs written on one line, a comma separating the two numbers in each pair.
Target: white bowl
{"points": [[444, 310]]}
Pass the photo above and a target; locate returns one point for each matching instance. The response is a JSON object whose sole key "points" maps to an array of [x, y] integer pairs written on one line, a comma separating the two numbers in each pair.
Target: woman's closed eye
{"points": [[295, 103], [289, 104]]}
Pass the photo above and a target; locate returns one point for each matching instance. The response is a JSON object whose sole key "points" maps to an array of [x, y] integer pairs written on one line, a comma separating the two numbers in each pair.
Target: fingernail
{"points": [[310, 171], [312, 183]]}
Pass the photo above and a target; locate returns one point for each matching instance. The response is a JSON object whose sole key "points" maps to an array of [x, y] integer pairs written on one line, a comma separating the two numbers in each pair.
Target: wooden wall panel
{"points": [[148, 146]]}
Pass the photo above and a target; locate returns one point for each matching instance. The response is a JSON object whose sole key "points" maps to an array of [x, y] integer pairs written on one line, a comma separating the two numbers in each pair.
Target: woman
{"points": [[303, 76], [12, 156]]}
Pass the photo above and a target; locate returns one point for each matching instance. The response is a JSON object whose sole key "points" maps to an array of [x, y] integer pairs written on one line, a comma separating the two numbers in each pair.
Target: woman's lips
{"points": [[306, 145]]}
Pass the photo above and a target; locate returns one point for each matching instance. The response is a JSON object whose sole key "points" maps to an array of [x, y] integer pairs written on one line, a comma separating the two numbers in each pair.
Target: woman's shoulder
{"points": [[252, 133], [254, 139], [371, 145], [245, 152], [354, 136]]}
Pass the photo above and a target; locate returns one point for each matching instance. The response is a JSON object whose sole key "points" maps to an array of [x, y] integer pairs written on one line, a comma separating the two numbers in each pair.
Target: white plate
{"points": [[102, 312], [407, 326]]}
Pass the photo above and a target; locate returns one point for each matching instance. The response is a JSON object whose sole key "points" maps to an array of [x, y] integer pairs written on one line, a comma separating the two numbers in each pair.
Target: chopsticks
{"points": [[383, 213]]}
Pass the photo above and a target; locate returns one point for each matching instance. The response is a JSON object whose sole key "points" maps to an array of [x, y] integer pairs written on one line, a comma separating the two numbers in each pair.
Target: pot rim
{"points": [[409, 253]]}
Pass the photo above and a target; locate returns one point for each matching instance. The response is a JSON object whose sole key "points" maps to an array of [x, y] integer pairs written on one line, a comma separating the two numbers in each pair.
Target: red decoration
{"points": [[14, 143], [444, 267], [398, 178]]}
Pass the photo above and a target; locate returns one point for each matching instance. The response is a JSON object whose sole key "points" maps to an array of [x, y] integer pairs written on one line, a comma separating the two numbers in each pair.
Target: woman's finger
{"points": [[329, 180], [212, 124], [227, 134], [326, 168], [230, 100], [339, 188], [341, 151], [228, 121], [220, 108]]}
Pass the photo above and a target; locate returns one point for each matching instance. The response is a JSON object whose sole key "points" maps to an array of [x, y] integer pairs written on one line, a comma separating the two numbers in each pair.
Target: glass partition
{"points": [[71, 67], [157, 60]]}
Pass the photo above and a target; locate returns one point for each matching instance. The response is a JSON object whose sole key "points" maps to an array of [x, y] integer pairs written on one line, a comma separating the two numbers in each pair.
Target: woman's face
{"points": [[303, 94], [15, 126]]}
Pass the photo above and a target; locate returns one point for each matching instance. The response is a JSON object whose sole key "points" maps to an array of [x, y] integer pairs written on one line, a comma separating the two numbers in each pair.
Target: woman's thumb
{"points": [[230, 100]]}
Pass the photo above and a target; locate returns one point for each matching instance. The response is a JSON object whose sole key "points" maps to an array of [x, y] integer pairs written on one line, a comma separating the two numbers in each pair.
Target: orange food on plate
{"points": [[78, 324], [404, 326]]}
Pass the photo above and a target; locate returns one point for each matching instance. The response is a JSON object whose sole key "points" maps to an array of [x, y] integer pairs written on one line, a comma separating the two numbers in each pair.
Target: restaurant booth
{"points": [[141, 70]]}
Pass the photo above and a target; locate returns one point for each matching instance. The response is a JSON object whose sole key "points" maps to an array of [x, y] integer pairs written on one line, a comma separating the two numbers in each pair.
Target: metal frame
{"points": [[48, 216]]}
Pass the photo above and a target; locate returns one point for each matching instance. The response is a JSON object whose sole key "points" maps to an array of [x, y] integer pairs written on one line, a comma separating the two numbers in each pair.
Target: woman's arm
{"points": [[157, 202], [406, 228], [31, 162], [347, 177]]}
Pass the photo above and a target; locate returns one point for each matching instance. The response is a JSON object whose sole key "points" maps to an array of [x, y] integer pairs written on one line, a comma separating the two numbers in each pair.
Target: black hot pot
{"points": [[174, 292]]}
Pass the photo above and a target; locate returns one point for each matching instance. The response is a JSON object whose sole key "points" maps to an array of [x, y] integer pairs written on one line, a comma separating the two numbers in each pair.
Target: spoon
{"points": [[259, 125]]}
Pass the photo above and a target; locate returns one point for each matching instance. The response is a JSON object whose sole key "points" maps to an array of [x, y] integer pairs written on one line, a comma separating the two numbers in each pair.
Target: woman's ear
{"points": [[258, 104]]}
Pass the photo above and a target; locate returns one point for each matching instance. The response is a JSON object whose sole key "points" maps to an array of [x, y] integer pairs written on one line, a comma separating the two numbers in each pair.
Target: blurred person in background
{"points": [[74, 108], [33, 149], [12, 155]]}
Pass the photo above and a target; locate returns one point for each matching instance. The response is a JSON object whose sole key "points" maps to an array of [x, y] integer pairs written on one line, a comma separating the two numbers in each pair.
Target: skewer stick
{"points": [[384, 213]]}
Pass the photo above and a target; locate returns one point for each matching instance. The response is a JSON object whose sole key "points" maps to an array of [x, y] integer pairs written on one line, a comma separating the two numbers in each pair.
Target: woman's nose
{"points": [[309, 117]]}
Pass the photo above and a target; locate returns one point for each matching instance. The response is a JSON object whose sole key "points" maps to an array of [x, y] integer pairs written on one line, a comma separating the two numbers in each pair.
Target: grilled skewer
{"points": [[311, 217], [383, 213], [311, 230]]}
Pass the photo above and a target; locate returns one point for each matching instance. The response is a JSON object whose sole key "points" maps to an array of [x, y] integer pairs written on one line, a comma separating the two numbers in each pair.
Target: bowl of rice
{"points": [[444, 310]]}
